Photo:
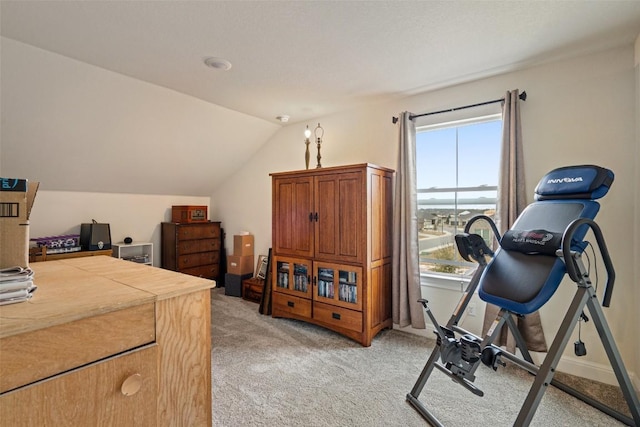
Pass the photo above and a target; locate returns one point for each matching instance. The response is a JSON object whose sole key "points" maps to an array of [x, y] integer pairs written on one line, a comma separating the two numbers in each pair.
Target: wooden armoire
{"points": [[332, 248]]}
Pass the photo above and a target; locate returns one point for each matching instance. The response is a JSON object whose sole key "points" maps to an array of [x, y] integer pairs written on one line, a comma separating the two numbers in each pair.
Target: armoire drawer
{"points": [[291, 305], [338, 316]]}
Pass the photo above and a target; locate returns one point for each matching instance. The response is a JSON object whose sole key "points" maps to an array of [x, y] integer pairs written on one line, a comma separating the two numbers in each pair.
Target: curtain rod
{"points": [[522, 96]]}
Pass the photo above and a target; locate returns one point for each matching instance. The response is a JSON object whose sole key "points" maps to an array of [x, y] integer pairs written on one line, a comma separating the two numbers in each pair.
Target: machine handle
{"points": [[489, 220], [572, 270]]}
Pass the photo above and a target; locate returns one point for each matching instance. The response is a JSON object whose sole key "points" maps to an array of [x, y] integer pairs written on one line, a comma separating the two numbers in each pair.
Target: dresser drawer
{"points": [[119, 391], [338, 316], [199, 231], [206, 271], [194, 246], [57, 349], [291, 305], [195, 260]]}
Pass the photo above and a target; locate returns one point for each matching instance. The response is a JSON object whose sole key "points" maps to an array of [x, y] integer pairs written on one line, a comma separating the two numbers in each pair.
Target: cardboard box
{"points": [[233, 284], [16, 199], [240, 264], [243, 245]]}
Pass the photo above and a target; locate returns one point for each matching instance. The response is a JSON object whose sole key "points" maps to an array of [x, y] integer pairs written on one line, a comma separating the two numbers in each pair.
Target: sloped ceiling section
{"points": [[76, 127]]}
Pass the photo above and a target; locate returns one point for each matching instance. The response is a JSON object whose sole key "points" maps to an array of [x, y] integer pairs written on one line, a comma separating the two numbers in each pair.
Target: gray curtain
{"points": [[406, 267], [511, 202]]}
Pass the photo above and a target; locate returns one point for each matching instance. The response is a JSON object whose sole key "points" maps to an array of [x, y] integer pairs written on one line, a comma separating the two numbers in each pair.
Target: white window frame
{"points": [[448, 281]]}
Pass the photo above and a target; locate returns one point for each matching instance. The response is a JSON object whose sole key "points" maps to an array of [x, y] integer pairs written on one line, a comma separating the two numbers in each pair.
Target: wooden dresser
{"points": [[192, 248], [107, 342], [332, 248]]}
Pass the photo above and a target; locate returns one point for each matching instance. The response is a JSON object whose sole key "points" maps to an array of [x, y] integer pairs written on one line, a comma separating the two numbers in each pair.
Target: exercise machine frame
{"points": [[463, 372]]}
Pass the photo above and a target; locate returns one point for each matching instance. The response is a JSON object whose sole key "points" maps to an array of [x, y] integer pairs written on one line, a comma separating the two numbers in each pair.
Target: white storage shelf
{"points": [[139, 252]]}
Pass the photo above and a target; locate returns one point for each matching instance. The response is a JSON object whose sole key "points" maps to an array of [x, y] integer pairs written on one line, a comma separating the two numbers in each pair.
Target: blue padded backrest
{"points": [[522, 282], [588, 182]]}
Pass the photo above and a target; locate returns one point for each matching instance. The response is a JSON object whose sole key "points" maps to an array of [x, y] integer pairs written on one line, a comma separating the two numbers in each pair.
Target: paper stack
{"points": [[16, 285]]}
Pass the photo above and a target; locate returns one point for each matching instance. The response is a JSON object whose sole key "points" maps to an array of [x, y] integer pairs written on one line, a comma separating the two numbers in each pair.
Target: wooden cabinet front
{"points": [[120, 391], [332, 228], [337, 284], [292, 276], [192, 249], [320, 216], [293, 220], [340, 228]]}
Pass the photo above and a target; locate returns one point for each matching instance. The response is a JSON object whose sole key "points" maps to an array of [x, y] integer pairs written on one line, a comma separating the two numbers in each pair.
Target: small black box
{"points": [[94, 236], [233, 283]]}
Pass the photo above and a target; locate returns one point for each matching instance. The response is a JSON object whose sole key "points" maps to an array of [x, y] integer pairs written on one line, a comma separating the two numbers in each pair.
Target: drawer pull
{"points": [[335, 316], [131, 385], [290, 303]]}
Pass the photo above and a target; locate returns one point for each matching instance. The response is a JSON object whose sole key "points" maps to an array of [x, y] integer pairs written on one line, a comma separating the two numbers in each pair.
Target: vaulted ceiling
{"points": [[309, 58]]}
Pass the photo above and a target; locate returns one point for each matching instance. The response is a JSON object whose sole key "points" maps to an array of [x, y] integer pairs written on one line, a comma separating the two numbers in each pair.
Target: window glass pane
{"points": [[348, 289], [283, 275], [300, 277], [325, 282], [457, 168], [436, 155], [479, 154]]}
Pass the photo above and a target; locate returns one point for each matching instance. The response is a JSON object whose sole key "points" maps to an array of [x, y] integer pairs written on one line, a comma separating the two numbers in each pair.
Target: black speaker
{"points": [[95, 236]]}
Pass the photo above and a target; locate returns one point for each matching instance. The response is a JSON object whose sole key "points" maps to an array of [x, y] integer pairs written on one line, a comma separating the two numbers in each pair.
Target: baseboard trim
{"points": [[594, 371]]}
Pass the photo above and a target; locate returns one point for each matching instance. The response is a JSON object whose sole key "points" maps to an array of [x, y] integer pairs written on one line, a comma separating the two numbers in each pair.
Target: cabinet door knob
{"points": [[131, 385]]}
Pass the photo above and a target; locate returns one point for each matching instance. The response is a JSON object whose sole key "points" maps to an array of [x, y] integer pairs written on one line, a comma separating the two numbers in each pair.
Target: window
{"points": [[457, 179]]}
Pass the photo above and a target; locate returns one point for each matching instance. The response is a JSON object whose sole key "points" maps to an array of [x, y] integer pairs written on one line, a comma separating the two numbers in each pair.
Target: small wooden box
{"points": [[252, 289], [188, 214]]}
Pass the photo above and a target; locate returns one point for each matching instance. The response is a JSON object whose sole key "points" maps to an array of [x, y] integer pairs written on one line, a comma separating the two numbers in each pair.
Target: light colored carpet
{"points": [[281, 372]]}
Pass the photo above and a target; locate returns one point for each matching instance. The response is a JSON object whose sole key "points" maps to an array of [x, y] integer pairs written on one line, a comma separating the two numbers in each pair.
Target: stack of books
{"points": [[16, 285]]}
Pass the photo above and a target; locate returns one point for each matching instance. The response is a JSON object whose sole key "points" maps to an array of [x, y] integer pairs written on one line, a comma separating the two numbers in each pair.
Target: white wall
{"points": [[578, 111], [129, 215]]}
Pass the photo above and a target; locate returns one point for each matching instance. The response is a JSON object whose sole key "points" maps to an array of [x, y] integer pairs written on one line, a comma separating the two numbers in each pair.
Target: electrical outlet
{"points": [[471, 309]]}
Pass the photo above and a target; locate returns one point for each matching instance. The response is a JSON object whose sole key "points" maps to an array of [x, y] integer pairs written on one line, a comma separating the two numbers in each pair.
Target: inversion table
{"points": [[544, 244]]}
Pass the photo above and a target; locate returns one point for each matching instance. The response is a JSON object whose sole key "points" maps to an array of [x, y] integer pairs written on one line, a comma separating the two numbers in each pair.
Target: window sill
{"points": [[443, 281]]}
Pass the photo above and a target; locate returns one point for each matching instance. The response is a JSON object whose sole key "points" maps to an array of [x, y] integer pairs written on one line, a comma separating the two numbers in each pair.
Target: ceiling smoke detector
{"points": [[283, 118], [217, 63]]}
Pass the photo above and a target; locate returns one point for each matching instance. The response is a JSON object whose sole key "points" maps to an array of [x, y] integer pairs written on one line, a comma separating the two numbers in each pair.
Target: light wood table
{"points": [[105, 341]]}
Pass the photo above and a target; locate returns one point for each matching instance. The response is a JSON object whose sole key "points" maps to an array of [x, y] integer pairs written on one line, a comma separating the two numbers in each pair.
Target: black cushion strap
{"points": [[532, 241]]}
